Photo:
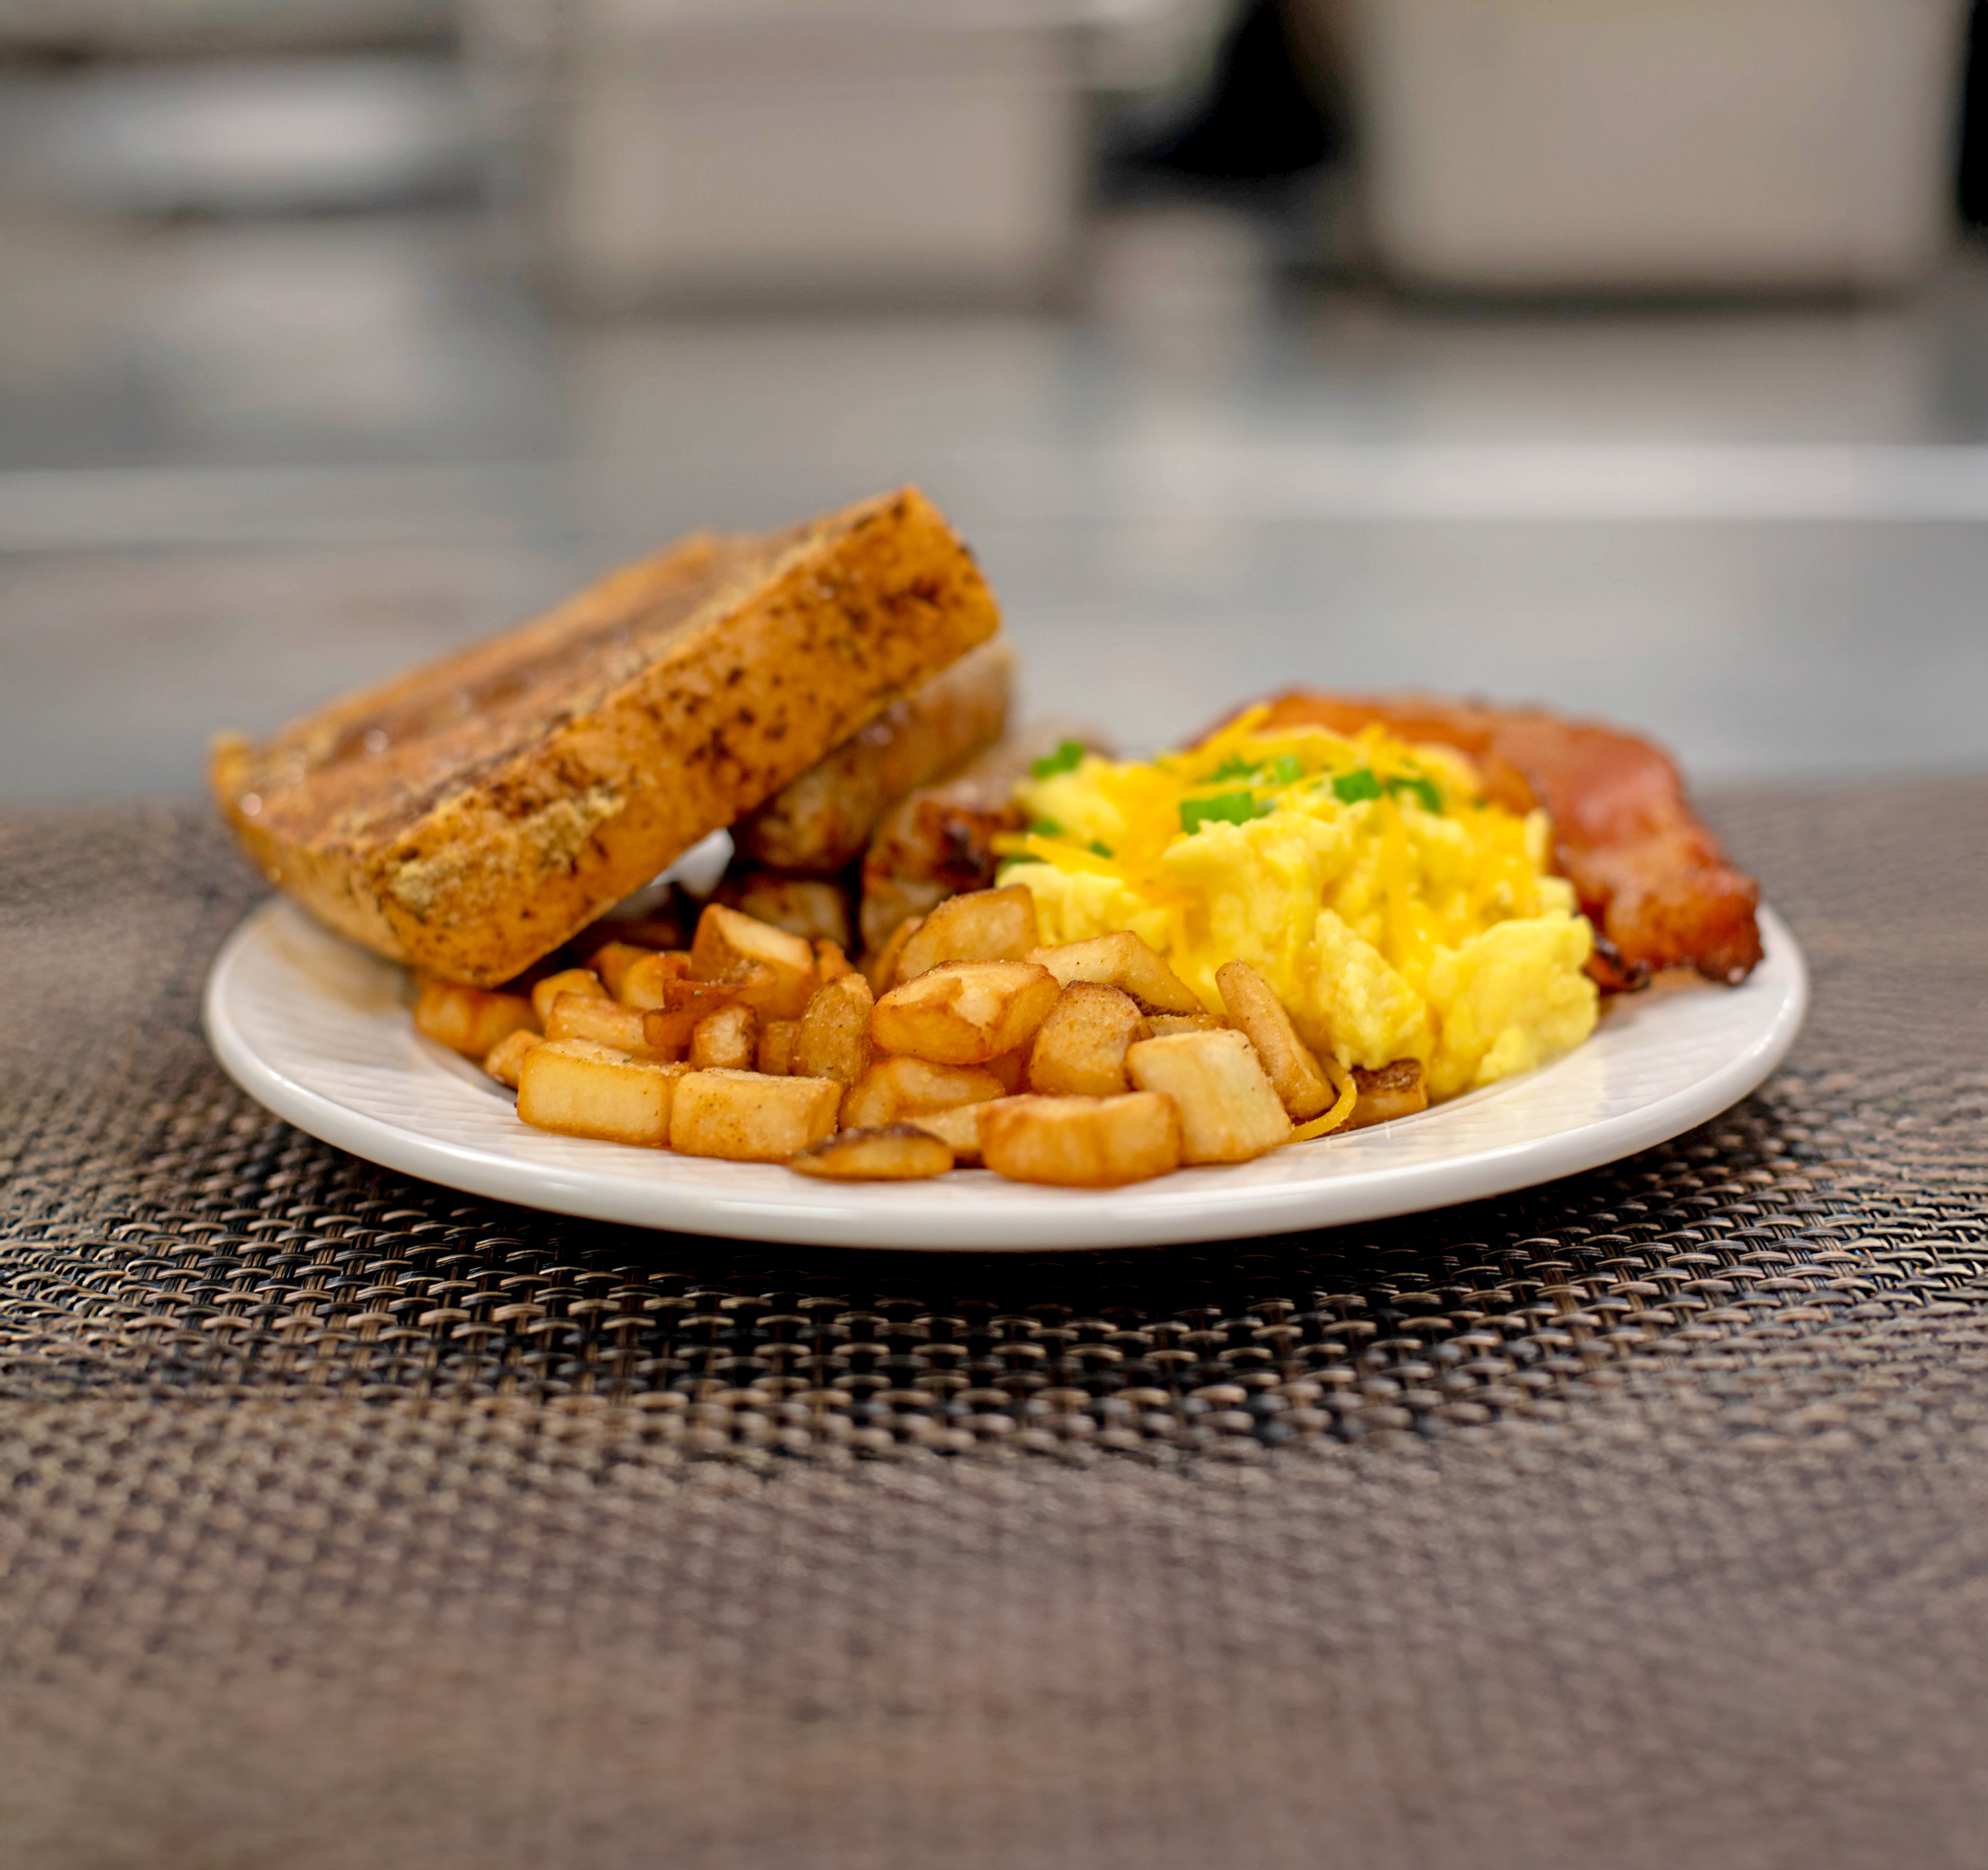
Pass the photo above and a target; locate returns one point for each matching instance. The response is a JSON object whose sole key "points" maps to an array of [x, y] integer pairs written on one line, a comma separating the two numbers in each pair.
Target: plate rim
{"points": [[1192, 1208]]}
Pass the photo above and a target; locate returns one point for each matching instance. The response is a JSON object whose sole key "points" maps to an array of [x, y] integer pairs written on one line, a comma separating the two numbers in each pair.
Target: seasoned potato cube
{"points": [[1011, 1068], [727, 1039], [834, 1039], [583, 981], [964, 1012], [909, 1088], [581, 1089], [895, 1152], [775, 1054], [1124, 961], [612, 960], [507, 1055], [980, 925], [585, 1015], [745, 1117], [1081, 1142], [1394, 1091], [646, 982], [830, 963], [687, 1004], [470, 1019], [727, 945], [1287, 1061], [1163, 1024], [958, 1128], [880, 965], [1228, 1111], [1080, 1048]]}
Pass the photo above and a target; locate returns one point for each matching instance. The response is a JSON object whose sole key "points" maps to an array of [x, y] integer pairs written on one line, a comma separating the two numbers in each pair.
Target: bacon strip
{"points": [[1653, 881]]}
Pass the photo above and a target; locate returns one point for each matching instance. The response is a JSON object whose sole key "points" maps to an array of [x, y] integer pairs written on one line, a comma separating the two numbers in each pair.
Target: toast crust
{"points": [[468, 817]]}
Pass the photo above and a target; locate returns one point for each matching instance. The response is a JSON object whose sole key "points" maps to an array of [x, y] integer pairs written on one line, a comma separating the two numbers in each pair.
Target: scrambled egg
{"points": [[1395, 912]]}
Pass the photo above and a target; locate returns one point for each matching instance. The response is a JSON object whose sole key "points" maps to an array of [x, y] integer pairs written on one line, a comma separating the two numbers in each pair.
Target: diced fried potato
{"points": [[728, 1040], [980, 925], [958, 1128], [471, 1020], [1081, 1142], [1124, 961], [728, 944], [775, 1055], [894, 1152], [880, 965], [964, 1012], [581, 1089], [813, 908], [688, 1003], [1080, 1048], [830, 963], [507, 1055], [646, 981], [657, 1055], [1287, 1061], [1164, 1025], [612, 960], [1011, 1068], [746, 1117], [567, 980], [1228, 1111], [908, 1089], [834, 1039], [1398, 1090], [606, 1023]]}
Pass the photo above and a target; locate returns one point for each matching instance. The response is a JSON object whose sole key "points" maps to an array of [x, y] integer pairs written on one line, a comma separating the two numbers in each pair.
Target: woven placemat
{"points": [[1632, 1519]]}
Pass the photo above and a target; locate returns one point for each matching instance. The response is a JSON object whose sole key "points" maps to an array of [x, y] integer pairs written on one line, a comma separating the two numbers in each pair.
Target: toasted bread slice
{"points": [[471, 816]]}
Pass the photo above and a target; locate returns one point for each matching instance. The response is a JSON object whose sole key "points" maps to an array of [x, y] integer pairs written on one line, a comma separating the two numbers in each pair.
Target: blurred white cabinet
{"points": [[1679, 144], [796, 154]]}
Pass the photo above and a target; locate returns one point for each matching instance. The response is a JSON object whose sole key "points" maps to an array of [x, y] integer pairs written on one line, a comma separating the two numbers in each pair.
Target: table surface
{"points": [[1635, 1520]]}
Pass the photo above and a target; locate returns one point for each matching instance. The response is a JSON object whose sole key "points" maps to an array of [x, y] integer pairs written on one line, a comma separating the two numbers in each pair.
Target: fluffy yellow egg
{"points": [[1395, 911]]}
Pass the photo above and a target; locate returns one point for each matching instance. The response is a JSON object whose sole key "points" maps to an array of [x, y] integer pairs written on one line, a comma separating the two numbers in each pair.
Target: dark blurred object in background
{"points": [[1266, 113], [1973, 158]]}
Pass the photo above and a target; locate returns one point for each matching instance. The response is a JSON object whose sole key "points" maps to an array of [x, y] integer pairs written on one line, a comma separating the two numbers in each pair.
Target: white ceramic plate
{"points": [[318, 1030]]}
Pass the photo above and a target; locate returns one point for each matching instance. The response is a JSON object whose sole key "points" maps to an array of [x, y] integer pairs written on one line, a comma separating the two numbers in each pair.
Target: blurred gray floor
{"points": [[244, 466]]}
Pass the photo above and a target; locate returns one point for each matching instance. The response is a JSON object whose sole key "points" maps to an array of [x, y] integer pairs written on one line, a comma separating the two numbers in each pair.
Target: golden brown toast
{"points": [[469, 816]]}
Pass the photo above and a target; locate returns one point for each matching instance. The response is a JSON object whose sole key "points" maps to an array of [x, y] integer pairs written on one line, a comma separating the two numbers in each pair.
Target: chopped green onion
{"points": [[1424, 789], [1224, 808], [1066, 759], [1236, 767], [1046, 827], [1351, 788], [1102, 850], [1286, 769]]}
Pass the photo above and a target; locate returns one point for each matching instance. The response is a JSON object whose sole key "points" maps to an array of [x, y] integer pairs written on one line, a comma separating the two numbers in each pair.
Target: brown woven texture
{"points": [[1641, 1519]]}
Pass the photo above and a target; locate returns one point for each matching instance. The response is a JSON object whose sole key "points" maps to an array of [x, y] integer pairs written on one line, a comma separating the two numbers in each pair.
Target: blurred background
{"points": [[1627, 354]]}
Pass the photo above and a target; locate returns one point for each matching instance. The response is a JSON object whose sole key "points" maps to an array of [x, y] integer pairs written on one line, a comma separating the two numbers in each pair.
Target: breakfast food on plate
{"points": [[939, 840], [1079, 971], [1652, 878], [1393, 911], [821, 823], [471, 816]]}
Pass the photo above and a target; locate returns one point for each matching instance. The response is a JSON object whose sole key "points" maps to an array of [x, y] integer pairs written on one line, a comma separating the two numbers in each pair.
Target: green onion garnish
{"points": [[1066, 759], [1046, 827], [1224, 808], [1351, 788], [1101, 849], [1424, 789], [1236, 767], [1286, 769]]}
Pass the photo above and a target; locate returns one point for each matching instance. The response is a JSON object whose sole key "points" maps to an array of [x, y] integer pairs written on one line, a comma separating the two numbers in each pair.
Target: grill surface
{"points": [[1636, 1519]]}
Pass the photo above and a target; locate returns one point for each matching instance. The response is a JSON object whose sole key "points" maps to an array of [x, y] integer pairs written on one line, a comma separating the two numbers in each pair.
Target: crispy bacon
{"points": [[1654, 882]]}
